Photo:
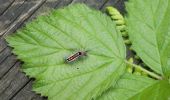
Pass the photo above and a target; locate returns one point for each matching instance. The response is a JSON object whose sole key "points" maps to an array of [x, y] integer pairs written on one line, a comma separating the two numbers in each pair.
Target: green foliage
{"points": [[148, 25], [158, 91], [135, 87], [44, 44], [149, 30], [129, 68], [118, 19]]}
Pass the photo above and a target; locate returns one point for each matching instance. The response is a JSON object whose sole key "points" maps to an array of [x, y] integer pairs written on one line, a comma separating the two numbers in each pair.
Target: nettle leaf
{"points": [[134, 87], [148, 25], [44, 44]]}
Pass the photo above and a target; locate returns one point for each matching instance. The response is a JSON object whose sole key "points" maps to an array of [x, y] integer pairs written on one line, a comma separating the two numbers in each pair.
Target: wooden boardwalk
{"points": [[14, 14]]}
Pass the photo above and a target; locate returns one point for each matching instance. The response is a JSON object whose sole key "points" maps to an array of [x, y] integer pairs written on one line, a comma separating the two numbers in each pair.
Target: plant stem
{"points": [[144, 70]]}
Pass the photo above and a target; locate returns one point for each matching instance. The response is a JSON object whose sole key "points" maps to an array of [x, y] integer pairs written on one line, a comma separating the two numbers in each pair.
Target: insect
{"points": [[76, 56]]}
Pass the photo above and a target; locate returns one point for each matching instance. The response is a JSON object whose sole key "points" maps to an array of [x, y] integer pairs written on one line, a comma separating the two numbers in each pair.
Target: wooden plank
{"points": [[96, 3], [44, 9], [4, 5], [12, 82], [16, 10], [47, 6], [29, 8], [7, 65], [11, 14], [120, 5], [78, 1], [63, 3], [27, 94], [3, 44], [4, 54], [109, 3]]}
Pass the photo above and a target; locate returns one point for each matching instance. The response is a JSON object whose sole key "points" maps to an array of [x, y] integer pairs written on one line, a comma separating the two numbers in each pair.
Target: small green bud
{"points": [[121, 28], [124, 34], [129, 67], [112, 11], [115, 14], [120, 22], [129, 70], [130, 60], [137, 73], [131, 48], [128, 42], [137, 69], [144, 74], [117, 17]]}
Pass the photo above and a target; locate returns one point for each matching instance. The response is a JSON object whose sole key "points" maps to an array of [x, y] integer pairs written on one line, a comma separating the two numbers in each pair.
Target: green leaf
{"points": [[44, 44], [148, 25], [158, 91], [135, 87]]}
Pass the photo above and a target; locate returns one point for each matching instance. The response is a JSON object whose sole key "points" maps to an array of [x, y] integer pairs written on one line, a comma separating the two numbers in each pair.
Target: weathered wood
{"points": [[3, 44], [96, 3], [120, 5], [27, 94], [78, 1], [7, 65], [4, 5], [11, 14], [44, 9], [12, 82], [64, 3], [109, 3], [29, 8], [4, 54]]}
